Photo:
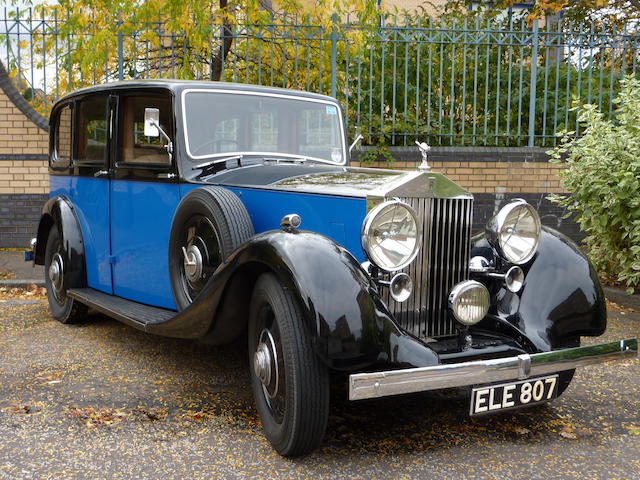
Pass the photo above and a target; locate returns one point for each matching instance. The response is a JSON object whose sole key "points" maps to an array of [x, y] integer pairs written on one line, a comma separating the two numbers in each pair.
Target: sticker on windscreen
{"points": [[331, 110], [336, 155]]}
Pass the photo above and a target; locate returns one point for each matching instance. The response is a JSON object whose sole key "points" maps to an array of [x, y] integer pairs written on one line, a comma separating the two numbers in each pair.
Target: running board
{"points": [[132, 313]]}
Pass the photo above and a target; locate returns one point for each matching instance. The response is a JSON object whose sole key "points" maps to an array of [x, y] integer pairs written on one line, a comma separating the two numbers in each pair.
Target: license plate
{"points": [[507, 396]]}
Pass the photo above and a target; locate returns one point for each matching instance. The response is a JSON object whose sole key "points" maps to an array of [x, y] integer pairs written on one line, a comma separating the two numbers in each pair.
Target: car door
{"points": [[144, 196], [89, 184]]}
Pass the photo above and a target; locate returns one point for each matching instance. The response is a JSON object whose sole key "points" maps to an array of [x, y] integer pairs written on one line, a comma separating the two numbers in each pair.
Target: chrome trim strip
{"points": [[410, 380], [260, 94]]}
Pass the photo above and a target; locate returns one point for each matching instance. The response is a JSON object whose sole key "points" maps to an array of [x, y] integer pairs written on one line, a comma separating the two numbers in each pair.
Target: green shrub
{"points": [[602, 175]]}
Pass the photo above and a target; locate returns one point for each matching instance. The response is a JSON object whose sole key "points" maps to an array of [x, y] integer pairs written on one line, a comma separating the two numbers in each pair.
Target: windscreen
{"points": [[228, 123]]}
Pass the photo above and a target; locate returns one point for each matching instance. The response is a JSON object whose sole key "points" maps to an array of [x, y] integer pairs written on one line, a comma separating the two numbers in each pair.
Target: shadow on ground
{"points": [[106, 392]]}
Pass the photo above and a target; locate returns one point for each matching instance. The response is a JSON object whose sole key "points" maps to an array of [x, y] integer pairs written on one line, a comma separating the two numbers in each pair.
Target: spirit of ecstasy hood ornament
{"points": [[424, 151]]}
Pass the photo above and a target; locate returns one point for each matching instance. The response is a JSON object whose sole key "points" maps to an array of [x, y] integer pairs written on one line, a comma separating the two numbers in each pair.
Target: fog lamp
{"points": [[514, 279], [400, 287], [469, 302]]}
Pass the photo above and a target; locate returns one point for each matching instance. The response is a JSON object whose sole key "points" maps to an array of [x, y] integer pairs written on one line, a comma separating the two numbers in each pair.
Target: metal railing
{"points": [[471, 82]]}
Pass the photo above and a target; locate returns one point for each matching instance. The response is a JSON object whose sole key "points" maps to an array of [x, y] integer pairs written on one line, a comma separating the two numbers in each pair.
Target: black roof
{"points": [[179, 85]]}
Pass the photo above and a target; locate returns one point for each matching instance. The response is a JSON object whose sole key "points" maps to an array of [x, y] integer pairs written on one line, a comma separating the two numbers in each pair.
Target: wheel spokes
{"points": [[269, 365], [201, 255]]}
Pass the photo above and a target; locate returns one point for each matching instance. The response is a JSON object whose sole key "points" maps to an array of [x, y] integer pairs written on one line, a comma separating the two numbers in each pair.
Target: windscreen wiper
{"points": [[217, 161], [296, 158]]}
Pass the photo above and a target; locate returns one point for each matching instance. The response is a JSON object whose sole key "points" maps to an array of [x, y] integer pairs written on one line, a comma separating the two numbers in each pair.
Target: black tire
{"points": [[293, 407], [564, 380], [63, 308], [210, 222], [565, 377]]}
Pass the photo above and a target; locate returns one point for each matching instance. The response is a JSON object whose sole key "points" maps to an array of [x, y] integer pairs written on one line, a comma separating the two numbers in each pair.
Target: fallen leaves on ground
{"points": [[96, 417], [615, 307], [23, 408], [51, 378], [6, 274], [568, 432], [522, 430], [151, 414], [571, 432], [31, 291], [92, 417], [633, 429]]}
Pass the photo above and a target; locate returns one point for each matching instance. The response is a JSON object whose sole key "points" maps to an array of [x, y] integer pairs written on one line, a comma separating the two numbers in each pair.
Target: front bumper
{"points": [[521, 367]]}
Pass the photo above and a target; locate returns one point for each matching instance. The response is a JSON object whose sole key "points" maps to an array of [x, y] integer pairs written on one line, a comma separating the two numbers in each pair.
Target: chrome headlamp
{"points": [[515, 232], [391, 235]]}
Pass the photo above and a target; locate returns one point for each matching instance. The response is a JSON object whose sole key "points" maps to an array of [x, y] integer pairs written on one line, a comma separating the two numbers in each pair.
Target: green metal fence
{"points": [[471, 82]]}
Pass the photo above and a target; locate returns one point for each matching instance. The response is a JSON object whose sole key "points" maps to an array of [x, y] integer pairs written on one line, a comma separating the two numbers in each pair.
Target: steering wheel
{"points": [[217, 143]]}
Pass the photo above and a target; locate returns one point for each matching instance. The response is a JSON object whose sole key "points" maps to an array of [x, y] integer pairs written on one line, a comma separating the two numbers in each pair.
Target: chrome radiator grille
{"points": [[443, 261]]}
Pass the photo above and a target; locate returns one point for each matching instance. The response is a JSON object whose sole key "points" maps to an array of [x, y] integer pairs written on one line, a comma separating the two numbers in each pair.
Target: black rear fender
{"points": [[59, 213]]}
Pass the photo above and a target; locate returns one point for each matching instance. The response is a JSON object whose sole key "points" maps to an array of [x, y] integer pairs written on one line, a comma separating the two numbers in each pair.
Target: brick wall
{"points": [[19, 215], [489, 177], [483, 169], [24, 180]]}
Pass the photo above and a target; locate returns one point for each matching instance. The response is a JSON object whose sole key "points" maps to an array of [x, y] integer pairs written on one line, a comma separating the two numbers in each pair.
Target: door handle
{"points": [[101, 173]]}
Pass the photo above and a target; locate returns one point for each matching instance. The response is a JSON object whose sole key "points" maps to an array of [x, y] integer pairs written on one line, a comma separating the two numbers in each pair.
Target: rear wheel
{"points": [[63, 308], [290, 383]]}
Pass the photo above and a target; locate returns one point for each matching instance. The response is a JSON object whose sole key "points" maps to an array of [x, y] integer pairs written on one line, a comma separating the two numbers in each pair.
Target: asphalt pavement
{"points": [[15, 272], [104, 401]]}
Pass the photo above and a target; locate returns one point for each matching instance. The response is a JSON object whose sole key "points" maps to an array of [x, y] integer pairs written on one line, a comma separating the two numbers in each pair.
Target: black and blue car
{"points": [[210, 211]]}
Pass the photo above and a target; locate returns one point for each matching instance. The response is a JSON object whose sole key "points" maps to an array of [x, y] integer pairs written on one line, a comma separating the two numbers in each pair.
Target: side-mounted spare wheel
{"points": [[56, 265], [209, 223]]}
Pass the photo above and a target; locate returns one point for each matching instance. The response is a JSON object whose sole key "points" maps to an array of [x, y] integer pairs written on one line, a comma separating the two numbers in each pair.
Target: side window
{"points": [[62, 137], [134, 145], [92, 131]]}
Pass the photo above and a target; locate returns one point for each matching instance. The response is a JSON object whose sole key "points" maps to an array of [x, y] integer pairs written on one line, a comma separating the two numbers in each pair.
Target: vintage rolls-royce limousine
{"points": [[208, 211]]}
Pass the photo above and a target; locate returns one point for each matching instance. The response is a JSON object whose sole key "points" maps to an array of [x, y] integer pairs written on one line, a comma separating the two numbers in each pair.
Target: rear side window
{"points": [[135, 146], [62, 147], [92, 131]]}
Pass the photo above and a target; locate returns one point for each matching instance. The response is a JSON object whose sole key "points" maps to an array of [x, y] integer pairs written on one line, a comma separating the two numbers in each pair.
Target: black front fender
{"points": [[59, 213], [561, 298], [351, 326]]}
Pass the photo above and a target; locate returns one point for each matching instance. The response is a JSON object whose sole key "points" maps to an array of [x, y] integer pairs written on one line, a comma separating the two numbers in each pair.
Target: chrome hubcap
{"points": [[56, 270], [192, 263], [265, 364], [262, 364]]}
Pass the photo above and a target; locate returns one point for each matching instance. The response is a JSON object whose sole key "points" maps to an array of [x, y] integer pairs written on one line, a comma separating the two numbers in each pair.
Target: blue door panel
{"points": [[91, 199], [59, 185], [339, 218], [141, 215]]}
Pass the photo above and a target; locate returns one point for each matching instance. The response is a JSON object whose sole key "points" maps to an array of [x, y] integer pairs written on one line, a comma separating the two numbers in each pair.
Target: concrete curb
{"points": [[18, 283], [621, 297]]}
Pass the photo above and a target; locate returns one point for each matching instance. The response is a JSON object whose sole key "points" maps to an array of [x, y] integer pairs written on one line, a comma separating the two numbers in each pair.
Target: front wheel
{"points": [[290, 383], [565, 377]]}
